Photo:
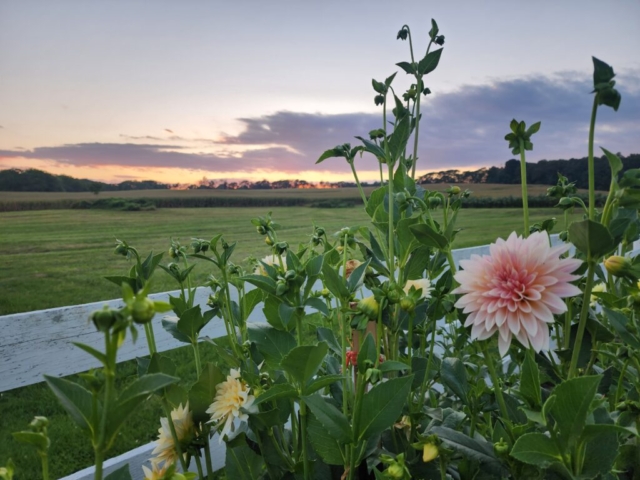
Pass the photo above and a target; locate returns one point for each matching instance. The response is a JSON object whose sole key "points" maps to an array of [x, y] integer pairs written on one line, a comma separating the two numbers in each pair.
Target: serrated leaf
{"points": [[76, 400], [303, 362], [273, 344], [536, 449], [321, 382], [263, 282], [382, 406], [530, 382], [428, 236], [242, 463], [281, 390], [591, 238], [454, 376], [332, 419], [324, 443], [334, 282]]}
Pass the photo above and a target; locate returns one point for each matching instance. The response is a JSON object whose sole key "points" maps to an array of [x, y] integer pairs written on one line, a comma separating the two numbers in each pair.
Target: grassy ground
{"points": [[57, 258]]}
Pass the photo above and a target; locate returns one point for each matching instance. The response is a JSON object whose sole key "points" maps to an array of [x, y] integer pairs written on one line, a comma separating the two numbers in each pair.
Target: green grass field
{"points": [[58, 257]]}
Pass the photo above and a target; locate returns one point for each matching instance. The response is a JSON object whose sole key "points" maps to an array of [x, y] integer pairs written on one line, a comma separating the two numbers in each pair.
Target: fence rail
{"points": [[40, 342]]}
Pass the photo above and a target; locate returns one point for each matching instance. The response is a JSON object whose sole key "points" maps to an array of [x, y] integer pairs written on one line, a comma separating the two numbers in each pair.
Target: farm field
{"points": [[59, 257], [478, 189]]}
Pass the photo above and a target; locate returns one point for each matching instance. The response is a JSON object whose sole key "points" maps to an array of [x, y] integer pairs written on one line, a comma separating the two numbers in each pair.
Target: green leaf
{"points": [[428, 236], [302, 363], [473, 449], [318, 304], [334, 282], [121, 473], [619, 322], [602, 72], [356, 278], [203, 392], [242, 463], [373, 149], [264, 283], [249, 301], [429, 63], [615, 164], [454, 376], [530, 382], [313, 266], [273, 344], [434, 30], [76, 400], [327, 335], [332, 419], [323, 443], [382, 406], [600, 452], [392, 366], [407, 67], [36, 439], [101, 357], [191, 322], [366, 352], [280, 390], [170, 324], [321, 382], [399, 137], [536, 449], [145, 386], [328, 154], [591, 238], [571, 407]]}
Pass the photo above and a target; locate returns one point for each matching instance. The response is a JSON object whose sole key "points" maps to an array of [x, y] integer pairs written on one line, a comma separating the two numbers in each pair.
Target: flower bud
{"points": [[319, 231], [501, 448], [617, 265], [429, 452], [268, 240], [393, 296], [395, 471], [564, 235], [104, 319], [261, 230], [434, 202], [369, 306], [142, 310], [408, 304], [455, 190]]}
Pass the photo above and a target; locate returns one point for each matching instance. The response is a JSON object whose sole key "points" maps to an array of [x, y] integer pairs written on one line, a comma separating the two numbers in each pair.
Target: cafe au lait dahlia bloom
{"points": [[421, 284], [165, 450], [231, 396], [516, 290]]}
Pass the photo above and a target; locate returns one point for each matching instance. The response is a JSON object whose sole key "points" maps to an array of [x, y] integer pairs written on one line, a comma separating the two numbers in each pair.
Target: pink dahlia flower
{"points": [[516, 290]]}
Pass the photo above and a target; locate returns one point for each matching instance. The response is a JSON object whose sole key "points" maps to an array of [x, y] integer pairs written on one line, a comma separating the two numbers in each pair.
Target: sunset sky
{"points": [[181, 90]]}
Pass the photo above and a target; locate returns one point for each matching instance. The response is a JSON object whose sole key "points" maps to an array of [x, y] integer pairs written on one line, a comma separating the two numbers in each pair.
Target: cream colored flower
{"points": [[231, 396], [183, 423], [600, 287], [272, 260], [155, 472], [422, 283], [351, 266]]}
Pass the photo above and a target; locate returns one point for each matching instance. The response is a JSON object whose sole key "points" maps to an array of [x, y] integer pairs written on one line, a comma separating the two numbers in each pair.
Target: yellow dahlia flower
{"points": [[183, 423], [231, 396]]}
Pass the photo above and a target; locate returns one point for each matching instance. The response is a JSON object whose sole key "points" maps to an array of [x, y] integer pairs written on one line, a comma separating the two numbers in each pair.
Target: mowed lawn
{"points": [[59, 257]]}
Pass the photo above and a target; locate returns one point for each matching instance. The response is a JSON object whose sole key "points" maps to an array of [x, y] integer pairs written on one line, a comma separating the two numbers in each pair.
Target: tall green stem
{"points": [[525, 196], [207, 456], [45, 466], [592, 180], [392, 259], [151, 341], [196, 354], [98, 459], [584, 313], [199, 467], [355, 175], [303, 436], [496, 385]]}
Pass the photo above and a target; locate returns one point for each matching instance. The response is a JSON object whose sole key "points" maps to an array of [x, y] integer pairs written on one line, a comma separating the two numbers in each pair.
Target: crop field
{"points": [[478, 189]]}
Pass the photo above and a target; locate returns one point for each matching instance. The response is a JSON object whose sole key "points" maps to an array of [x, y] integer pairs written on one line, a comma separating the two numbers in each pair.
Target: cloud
{"points": [[458, 129], [167, 130]]}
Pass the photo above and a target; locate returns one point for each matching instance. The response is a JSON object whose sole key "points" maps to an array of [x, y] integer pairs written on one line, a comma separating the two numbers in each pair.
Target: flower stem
{"points": [[584, 313], [592, 180], [355, 175], [45, 466], [523, 182], [392, 260], [196, 354], [151, 341], [207, 456], [98, 459], [303, 436], [199, 467], [496, 385]]}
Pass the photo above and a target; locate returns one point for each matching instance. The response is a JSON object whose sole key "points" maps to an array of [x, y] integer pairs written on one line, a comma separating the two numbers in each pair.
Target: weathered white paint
{"points": [[140, 456], [38, 343]]}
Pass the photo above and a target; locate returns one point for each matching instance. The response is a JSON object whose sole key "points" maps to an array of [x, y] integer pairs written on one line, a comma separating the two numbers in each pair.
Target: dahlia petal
{"points": [[529, 322], [504, 344], [566, 290], [500, 316], [555, 303], [513, 323]]}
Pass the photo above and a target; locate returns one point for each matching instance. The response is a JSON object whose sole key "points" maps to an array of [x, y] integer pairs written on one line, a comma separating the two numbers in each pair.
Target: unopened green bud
{"points": [[104, 319], [455, 190], [408, 304], [268, 240], [142, 310], [434, 202], [395, 471], [501, 448], [261, 230], [429, 452]]}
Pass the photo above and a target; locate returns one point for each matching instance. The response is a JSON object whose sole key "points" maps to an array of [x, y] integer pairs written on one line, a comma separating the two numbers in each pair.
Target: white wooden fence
{"points": [[37, 343]]}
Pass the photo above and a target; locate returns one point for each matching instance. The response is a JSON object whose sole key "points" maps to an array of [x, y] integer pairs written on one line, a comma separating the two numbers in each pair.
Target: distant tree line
{"points": [[544, 172]]}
